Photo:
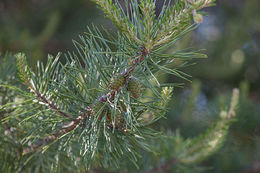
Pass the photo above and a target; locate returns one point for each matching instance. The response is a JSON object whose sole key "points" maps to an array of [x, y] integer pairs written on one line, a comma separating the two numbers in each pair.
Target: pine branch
{"points": [[73, 124], [208, 143], [113, 12], [109, 74], [178, 20], [197, 149], [24, 70], [49, 139], [26, 76], [162, 104], [148, 11], [49, 103], [170, 24]]}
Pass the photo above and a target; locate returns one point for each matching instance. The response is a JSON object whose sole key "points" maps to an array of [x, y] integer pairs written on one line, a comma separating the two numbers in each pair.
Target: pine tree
{"points": [[97, 110]]}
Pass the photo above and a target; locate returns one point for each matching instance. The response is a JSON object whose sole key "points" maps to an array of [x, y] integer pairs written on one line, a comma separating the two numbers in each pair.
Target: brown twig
{"points": [[26, 78], [48, 139], [50, 104], [73, 124]]}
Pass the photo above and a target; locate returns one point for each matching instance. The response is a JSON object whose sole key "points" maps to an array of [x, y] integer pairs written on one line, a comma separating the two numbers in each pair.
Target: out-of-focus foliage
{"points": [[231, 35], [193, 111], [38, 27]]}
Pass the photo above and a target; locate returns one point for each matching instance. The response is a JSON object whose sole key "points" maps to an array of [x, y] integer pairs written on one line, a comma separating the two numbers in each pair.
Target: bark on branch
{"points": [[73, 124]]}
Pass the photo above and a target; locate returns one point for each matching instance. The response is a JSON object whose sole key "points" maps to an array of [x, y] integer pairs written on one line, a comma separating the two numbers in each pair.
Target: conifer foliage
{"points": [[95, 112]]}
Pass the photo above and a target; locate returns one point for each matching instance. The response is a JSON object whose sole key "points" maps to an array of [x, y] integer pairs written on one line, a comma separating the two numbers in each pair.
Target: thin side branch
{"points": [[114, 13], [25, 75], [73, 124], [206, 144], [50, 104], [179, 22], [48, 139]]}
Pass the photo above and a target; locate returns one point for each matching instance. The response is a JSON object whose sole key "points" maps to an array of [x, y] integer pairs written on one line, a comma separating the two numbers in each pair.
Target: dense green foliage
{"points": [[39, 123]]}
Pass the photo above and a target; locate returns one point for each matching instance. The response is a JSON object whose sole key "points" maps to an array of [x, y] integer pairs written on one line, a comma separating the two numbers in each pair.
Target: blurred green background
{"points": [[230, 34]]}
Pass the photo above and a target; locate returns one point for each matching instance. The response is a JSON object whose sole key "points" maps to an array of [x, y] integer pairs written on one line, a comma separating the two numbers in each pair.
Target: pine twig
{"points": [[50, 104], [208, 143], [25, 75], [176, 24], [73, 124], [113, 12], [219, 131], [48, 139]]}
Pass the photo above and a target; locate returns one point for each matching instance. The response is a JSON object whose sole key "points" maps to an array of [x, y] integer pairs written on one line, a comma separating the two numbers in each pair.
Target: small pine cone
{"points": [[96, 107], [117, 81], [118, 117], [134, 87]]}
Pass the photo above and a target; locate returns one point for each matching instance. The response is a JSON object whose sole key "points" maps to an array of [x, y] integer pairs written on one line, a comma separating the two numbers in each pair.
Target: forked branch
{"points": [[73, 124]]}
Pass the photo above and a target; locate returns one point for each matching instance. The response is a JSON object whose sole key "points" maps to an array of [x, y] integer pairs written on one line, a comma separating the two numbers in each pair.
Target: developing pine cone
{"points": [[118, 117], [117, 81], [134, 87]]}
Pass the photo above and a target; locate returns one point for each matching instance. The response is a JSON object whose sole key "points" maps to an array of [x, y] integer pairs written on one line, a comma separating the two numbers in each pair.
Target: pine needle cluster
{"points": [[95, 111]]}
